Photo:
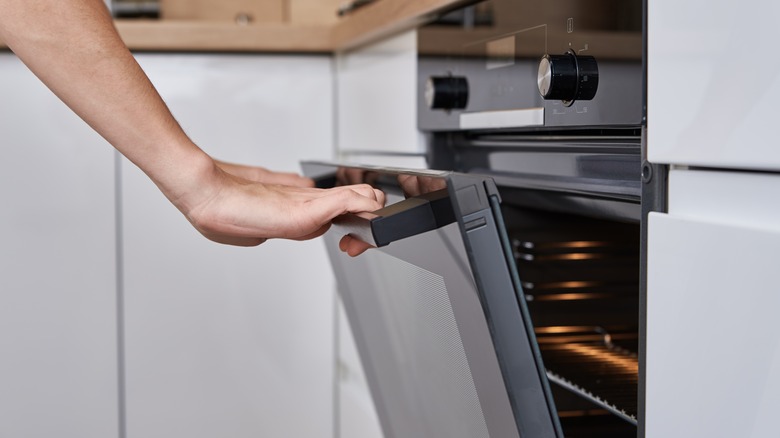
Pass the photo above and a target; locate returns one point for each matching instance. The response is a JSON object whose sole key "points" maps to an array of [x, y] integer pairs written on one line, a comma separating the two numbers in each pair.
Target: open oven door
{"points": [[447, 345]]}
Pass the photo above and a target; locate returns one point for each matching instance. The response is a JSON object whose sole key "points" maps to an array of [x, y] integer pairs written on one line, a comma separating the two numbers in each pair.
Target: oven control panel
{"points": [[531, 64]]}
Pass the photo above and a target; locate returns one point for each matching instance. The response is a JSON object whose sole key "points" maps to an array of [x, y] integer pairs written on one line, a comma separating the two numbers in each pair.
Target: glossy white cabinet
{"points": [[712, 339], [713, 83], [58, 337], [712, 335], [224, 341], [376, 90]]}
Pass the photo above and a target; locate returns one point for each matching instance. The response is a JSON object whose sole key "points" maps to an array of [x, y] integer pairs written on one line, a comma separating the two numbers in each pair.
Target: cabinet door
{"points": [[713, 350], [377, 98], [225, 341], [713, 88], [58, 338]]}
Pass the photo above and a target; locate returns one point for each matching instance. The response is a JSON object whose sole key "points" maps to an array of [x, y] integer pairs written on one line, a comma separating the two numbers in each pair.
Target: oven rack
{"points": [[606, 376]]}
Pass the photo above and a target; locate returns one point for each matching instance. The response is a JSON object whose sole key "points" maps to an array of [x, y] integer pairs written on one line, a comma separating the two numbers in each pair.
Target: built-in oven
{"points": [[505, 295]]}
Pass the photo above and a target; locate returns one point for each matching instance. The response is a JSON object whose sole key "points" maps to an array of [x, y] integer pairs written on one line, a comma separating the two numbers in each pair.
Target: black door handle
{"points": [[403, 219]]}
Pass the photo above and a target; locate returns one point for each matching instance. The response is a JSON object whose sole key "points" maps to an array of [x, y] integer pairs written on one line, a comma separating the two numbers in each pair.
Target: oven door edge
{"points": [[490, 256]]}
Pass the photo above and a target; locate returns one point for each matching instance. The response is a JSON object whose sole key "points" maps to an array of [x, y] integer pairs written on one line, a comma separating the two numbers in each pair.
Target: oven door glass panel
{"points": [[445, 343]]}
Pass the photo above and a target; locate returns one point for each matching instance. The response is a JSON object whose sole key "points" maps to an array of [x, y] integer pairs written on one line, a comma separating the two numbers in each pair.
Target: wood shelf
{"points": [[370, 23], [384, 18], [175, 35]]}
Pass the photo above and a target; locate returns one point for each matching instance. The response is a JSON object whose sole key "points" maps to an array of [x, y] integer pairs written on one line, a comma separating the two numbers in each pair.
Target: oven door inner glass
{"points": [[443, 338]]}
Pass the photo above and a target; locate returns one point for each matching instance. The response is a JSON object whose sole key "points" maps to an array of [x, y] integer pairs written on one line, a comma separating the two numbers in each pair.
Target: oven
{"points": [[506, 293]]}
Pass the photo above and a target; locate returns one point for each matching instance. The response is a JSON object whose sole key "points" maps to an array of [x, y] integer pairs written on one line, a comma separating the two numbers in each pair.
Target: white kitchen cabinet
{"points": [[713, 85], [712, 336], [712, 339], [225, 341], [376, 90], [58, 337]]}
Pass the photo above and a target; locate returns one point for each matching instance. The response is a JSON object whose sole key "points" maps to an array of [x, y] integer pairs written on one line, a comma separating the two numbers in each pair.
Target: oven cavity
{"points": [[580, 281]]}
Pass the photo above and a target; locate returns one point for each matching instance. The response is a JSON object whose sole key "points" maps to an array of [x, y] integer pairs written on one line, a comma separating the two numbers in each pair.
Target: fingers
{"points": [[369, 192], [351, 199], [360, 197], [380, 197], [352, 246], [409, 184]]}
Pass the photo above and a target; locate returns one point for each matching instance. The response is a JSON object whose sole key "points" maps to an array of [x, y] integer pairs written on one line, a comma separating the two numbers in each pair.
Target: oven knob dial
{"points": [[568, 77], [446, 92]]}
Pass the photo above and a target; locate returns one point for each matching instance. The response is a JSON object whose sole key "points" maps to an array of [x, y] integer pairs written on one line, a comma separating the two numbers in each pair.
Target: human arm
{"points": [[73, 47], [263, 175]]}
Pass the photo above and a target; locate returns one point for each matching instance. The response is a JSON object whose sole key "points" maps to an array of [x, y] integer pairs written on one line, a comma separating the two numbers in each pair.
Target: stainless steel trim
{"points": [[502, 119]]}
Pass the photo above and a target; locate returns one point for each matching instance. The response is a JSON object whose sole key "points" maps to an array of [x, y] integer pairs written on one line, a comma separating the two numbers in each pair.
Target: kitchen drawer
{"points": [[712, 344], [712, 83]]}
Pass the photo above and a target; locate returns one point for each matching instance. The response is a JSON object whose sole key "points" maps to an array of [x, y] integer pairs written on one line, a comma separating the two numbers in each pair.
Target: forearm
{"points": [[73, 47]]}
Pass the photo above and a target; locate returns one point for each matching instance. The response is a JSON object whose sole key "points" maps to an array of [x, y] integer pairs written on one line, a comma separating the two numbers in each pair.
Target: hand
{"points": [[235, 211], [99, 79], [411, 185], [263, 175], [352, 246]]}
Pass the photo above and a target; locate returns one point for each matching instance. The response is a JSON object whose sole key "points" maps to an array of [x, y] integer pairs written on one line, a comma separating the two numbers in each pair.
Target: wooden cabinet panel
{"points": [[257, 11], [314, 11]]}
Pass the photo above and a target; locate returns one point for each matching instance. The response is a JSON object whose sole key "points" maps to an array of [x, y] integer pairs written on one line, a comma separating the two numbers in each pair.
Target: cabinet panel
{"points": [[58, 354], [377, 97], [712, 88], [738, 198], [225, 341], [713, 354]]}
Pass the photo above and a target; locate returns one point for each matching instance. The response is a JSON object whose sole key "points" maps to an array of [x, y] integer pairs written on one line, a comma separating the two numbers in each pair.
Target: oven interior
{"points": [[574, 226]]}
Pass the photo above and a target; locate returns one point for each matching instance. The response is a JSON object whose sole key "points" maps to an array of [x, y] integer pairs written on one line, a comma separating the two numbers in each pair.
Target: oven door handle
{"points": [[403, 219]]}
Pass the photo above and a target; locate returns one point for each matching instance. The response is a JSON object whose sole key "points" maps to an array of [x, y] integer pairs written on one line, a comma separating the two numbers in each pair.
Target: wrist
{"points": [[189, 180]]}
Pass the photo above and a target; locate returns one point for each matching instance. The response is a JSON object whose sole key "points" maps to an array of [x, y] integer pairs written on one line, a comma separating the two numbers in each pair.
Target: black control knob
{"points": [[568, 77], [447, 92]]}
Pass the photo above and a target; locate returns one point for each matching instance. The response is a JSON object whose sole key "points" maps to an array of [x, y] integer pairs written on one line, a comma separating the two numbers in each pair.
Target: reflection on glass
{"points": [[410, 185]]}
